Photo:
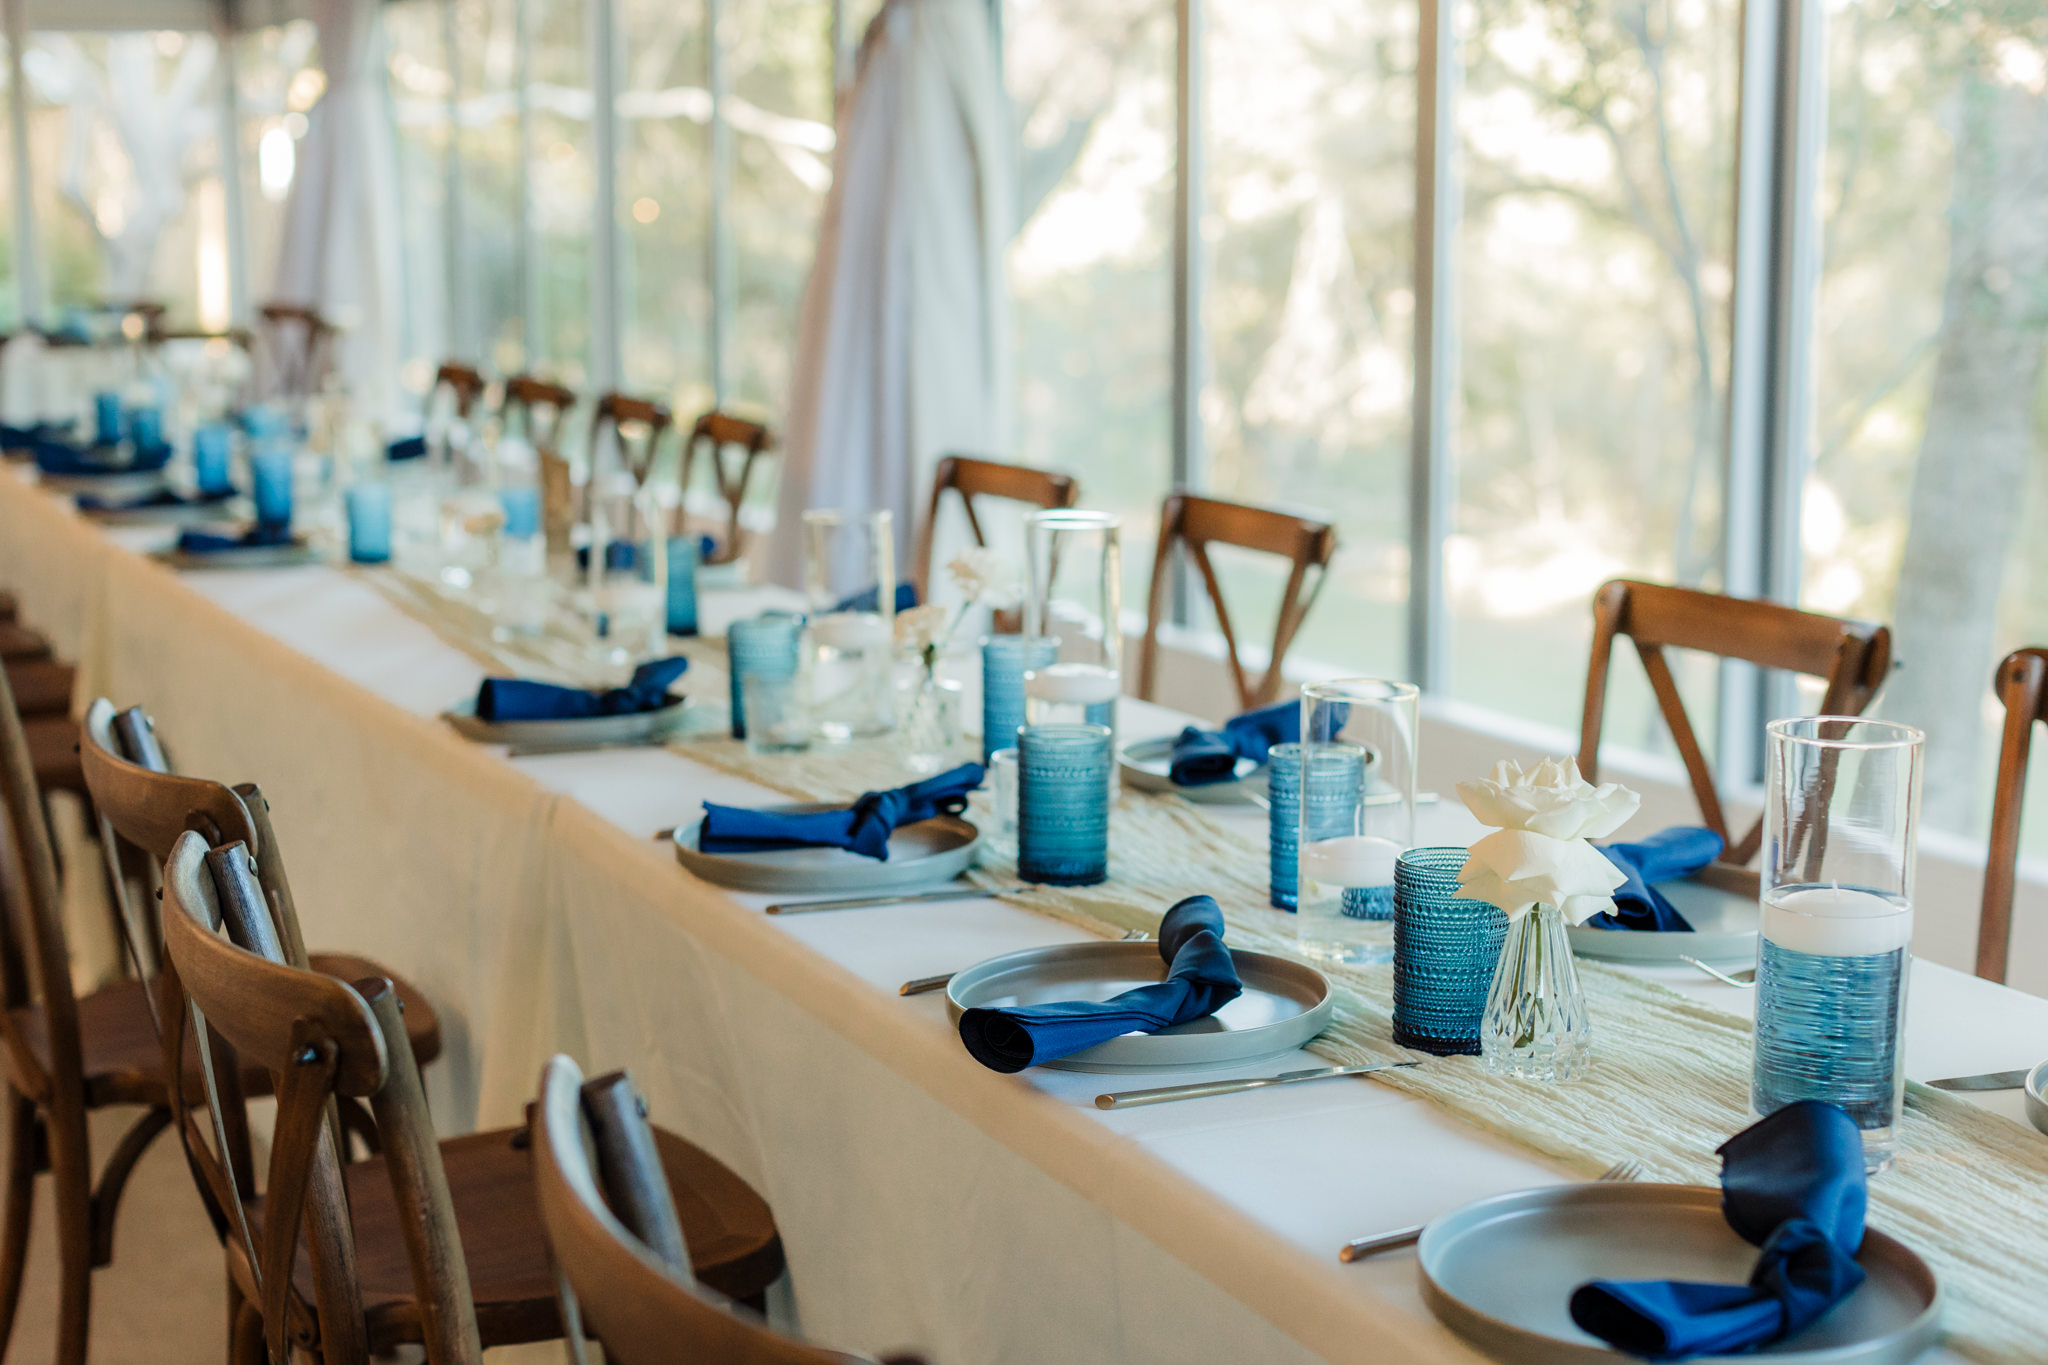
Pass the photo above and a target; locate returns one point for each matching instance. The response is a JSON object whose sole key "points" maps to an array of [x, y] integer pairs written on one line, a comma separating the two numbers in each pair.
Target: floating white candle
{"points": [[1362, 860], [1836, 921], [1074, 684], [850, 630]]}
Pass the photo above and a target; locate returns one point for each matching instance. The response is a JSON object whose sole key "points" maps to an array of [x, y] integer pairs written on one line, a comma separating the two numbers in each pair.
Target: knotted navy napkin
{"points": [[1791, 1184], [870, 599], [406, 448], [64, 459], [1676, 852], [502, 699], [162, 497], [862, 827], [1201, 757], [1200, 979], [257, 537], [15, 439]]}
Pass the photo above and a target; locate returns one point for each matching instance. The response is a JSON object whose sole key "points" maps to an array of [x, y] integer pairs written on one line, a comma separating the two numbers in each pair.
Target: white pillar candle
{"points": [[1362, 860], [1074, 684], [1836, 921], [850, 630]]}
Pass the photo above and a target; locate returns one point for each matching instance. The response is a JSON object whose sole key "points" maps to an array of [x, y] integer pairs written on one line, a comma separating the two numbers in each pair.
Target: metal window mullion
{"points": [[459, 339], [532, 345], [1430, 486], [232, 205], [1189, 458], [603, 37], [721, 264], [27, 260]]}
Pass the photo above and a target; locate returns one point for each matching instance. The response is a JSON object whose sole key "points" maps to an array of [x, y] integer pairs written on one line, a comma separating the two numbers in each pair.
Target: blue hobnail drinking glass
{"points": [[270, 477], [1063, 804], [106, 418], [211, 445], [683, 555], [369, 523], [146, 427], [764, 646], [1004, 661], [1445, 951], [1339, 781]]}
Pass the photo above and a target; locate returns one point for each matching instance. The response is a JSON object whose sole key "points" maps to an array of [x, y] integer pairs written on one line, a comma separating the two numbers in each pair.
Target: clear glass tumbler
{"points": [[764, 646], [850, 589], [1841, 837], [1346, 858]]}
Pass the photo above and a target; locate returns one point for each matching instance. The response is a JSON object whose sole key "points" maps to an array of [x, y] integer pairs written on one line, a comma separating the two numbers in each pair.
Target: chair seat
{"points": [[19, 642], [41, 687], [734, 1247], [8, 607], [123, 1060], [53, 751]]}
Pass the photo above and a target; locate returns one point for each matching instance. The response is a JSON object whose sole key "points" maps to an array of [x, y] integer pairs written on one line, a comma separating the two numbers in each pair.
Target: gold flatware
{"points": [[1165, 1094], [1620, 1172]]}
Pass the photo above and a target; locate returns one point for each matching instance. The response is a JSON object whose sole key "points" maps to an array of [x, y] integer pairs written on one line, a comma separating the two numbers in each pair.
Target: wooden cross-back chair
{"points": [[972, 478], [298, 346], [1853, 657], [617, 413], [465, 382], [623, 1257], [2021, 685], [1197, 523], [434, 1242], [721, 431], [42, 684], [542, 405]]}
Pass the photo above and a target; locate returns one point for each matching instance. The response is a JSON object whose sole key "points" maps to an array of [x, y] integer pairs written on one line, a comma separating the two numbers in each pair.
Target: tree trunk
{"points": [[1969, 483]]}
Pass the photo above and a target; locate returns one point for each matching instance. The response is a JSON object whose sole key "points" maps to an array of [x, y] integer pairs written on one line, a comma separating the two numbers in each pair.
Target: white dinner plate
{"points": [[298, 551], [1147, 766], [633, 728], [1283, 1005], [1501, 1274], [2036, 1091], [1724, 930], [121, 486], [922, 855]]}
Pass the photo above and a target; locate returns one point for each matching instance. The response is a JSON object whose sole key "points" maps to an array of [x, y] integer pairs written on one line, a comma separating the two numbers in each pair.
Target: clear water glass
{"points": [[1445, 951], [624, 589], [777, 721], [1841, 837], [1002, 780], [1005, 659], [369, 523], [850, 588], [1345, 858], [1334, 790], [763, 646], [1063, 774]]}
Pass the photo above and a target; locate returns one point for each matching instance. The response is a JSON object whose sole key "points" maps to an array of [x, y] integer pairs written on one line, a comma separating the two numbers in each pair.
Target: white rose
{"points": [[921, 628], [1550, 798], [980, 573], [1517, 868]]}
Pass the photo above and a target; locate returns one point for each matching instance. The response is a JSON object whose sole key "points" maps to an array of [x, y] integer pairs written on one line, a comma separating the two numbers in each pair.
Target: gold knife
{"points": [[1131, 1099]]}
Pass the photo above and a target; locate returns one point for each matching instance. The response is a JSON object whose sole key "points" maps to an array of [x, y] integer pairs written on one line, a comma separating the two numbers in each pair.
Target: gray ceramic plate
{"points": [[927, 854], [1147, 766], [244, 557], [191, 512], [1501, 1273], [113, 486], [1284, 1004], [594, 730], [1724, 930], [2037, 1097]]}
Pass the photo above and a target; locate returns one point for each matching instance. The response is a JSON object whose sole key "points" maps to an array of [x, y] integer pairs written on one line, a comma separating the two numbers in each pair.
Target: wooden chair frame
{"points": [[1853, 656], [301, 371], [721, 430], [972, 478], [466, 382], [544, 406], [1197, 523], [615, 412], [2021, 684]]}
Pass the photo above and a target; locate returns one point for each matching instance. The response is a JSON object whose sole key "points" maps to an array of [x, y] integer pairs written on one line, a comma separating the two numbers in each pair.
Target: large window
{"points": [[665, 200]]}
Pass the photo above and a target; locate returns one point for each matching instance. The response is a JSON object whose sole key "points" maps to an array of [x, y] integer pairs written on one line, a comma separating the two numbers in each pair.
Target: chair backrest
{"points": [[543, 405], [1197, 523], [2021, 684], [720, 430], [610, 1223], [297, 344], [320, 1039], [618, 412], [1853, 656], [465, 382], [972, 478]]}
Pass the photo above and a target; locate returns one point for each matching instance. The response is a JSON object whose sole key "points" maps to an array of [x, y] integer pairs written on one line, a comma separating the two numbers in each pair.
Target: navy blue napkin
{"points": [[862, 827], [162, 497], [870, 599], [19, 439], [258, 536], [622, 556], [501, 699], [1676, 852], [62, 458], [1200, 979], [1201, 757], [406, 448], [1792, 1184]]}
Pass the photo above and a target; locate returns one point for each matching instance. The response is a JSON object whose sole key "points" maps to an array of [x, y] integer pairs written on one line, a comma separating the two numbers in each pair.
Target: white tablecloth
{"points": [[924, 1201]]}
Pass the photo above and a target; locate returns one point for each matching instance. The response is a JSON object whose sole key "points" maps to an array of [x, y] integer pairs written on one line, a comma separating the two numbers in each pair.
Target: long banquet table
{"points": [[924, 1201]]}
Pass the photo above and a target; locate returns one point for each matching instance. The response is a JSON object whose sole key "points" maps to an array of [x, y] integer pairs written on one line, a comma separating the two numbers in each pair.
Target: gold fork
{"points": [[1620, 1172]]}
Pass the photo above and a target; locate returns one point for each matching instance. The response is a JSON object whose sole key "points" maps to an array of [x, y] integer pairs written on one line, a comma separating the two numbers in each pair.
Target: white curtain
{"points": [[340, 249], [904, 352]]}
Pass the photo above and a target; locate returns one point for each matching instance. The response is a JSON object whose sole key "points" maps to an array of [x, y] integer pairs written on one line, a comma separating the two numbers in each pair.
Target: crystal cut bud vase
{"points": [[927, 720], [1536, 1025]]}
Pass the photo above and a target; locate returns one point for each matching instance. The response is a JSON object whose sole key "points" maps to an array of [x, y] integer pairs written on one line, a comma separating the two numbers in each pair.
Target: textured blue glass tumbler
{"points": [[1063, 804], [1339, 781], [270, 478], [369, 523], [211, 445], [764, 646], [1004, 661], [1445, 950]]}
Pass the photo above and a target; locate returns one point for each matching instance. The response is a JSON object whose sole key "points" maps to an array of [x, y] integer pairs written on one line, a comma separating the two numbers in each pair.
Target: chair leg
{"points": [[71, 1172], [245, 1336], [20, 1197]]}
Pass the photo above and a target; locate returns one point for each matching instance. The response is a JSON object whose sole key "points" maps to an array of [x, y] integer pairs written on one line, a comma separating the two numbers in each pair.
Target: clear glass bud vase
{"points": [[1536, 1025]]}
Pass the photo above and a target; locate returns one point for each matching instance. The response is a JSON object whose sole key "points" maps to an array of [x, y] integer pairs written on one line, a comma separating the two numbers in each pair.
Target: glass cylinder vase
{"points": [[1074, 595], [1345, 857], [850, 589], [1536, 1025], [1841, 836]]}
